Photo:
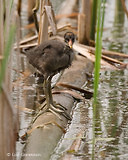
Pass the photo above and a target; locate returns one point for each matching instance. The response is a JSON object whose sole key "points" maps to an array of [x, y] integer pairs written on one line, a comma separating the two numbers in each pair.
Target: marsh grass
{"points": [[99, 31], [93, 19], [6, 53], [7, 35], [8, 120]]}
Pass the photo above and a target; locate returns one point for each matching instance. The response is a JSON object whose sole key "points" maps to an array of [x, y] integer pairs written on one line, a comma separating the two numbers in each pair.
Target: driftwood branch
{"points": [[87, 94], [75, 147], [108, 53], [85, 52], [105, 61]]}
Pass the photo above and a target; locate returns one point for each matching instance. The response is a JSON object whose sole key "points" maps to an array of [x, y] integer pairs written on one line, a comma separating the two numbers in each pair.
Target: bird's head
{"points": [[69, 38]]}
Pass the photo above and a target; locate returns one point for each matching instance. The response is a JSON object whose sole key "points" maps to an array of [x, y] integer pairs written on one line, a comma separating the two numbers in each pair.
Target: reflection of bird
{"points": [[49, 58]]}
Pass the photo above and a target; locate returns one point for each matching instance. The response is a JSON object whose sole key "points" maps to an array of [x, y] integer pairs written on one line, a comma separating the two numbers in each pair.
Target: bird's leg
{"points": [[60, 107], [51, 106], [50, 89], [45, 85], [48, 94]]}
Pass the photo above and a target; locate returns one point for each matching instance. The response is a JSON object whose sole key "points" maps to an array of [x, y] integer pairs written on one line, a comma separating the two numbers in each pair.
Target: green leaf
{"points": [[99, 29], [6, 53]]}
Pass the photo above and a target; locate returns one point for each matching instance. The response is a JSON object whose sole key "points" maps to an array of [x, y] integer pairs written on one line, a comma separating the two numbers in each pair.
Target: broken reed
{"points": [[8, 117], [7, 31], [6, 53], [99, 31]]}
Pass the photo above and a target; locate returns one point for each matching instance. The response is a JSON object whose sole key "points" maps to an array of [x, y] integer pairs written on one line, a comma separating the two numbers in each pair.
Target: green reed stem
{"points": [[93, 19], [6, 53], [100, 22]]}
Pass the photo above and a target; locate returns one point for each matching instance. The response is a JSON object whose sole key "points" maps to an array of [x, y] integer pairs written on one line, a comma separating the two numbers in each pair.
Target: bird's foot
{"points": [[58, 108], [55, 109]]}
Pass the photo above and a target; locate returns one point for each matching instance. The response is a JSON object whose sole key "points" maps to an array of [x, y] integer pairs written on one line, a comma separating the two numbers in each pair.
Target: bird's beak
{"points": [[70, 43]]}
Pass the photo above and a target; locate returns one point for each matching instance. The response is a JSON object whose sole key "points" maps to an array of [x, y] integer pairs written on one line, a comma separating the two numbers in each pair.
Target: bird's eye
{"points": [[66, 40]]}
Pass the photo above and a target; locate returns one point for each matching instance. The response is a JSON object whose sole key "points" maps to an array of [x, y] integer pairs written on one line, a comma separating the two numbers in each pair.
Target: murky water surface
{"points": [[112, 110], [111, 122]]}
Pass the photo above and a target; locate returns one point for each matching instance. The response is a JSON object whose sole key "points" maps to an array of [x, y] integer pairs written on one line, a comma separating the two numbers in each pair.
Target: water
{"points": [[112, 110], [112, 114]]}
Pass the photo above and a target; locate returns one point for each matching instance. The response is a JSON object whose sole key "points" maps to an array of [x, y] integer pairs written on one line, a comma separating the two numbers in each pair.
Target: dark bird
{"points": [[49, 58]]}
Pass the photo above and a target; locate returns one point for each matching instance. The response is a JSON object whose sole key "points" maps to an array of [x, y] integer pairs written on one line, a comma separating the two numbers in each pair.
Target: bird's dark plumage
{"points": [[49, 58]]}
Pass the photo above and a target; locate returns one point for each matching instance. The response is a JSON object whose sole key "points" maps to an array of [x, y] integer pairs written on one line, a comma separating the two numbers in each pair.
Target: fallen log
{"points": [[47, 130]]}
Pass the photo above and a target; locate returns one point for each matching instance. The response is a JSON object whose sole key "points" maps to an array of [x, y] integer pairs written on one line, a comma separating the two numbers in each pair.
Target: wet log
{"points": [[48, 128]]}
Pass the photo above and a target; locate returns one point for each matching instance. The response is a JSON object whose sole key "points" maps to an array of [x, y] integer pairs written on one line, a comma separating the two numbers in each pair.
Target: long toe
{"points": [[66, 115], [60, 110], [58, 105], [56, 109]]}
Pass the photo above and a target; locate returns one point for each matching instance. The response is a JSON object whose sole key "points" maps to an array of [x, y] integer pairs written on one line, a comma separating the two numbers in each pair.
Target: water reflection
{"points": [[112, 109], [112, 114], [113, 96]]}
